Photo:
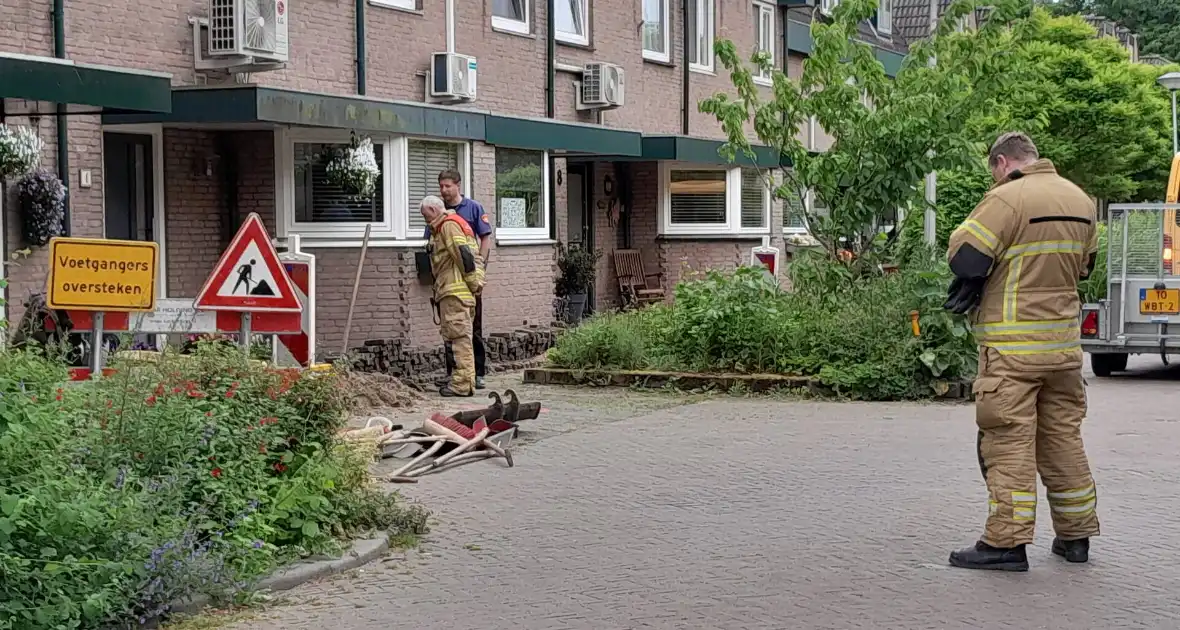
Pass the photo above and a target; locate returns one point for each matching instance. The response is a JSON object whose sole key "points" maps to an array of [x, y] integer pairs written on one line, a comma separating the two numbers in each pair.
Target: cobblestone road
{"points": [[751, 513]]}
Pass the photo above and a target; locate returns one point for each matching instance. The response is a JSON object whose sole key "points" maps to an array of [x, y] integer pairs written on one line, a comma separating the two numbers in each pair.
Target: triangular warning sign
{"points": [[249, 276]]}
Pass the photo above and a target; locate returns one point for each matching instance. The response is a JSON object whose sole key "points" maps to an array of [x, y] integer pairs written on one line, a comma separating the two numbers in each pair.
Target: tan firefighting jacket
{"points": [[1039, 229], [454, 259]]}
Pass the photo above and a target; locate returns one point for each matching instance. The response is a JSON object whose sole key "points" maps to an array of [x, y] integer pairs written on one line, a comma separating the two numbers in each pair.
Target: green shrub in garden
{"points": [[852, 333], [199, 474]]}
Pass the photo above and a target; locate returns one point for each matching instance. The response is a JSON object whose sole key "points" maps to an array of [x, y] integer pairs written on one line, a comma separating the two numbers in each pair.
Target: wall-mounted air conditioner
{"points": [[602, 87], [452, 77], [254, 30]]}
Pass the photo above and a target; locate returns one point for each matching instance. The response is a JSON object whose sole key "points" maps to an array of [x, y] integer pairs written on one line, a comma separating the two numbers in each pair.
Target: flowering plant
{"points": [[355, 170], [43, 206], [20, 151]]}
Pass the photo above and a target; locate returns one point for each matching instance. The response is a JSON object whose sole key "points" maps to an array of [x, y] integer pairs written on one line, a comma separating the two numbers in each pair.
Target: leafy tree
{"points": [[1104, 121], [1157, 22], [888, 133]]}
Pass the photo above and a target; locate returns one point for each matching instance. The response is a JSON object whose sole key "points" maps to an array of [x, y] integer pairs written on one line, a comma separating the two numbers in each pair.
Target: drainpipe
{"points": [[550, 60], [450, 18], [685, 91], [63, 132], [360, 47]]}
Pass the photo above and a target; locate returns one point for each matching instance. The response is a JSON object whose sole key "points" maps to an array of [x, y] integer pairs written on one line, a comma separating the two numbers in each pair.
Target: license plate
{"points": [[1159, 301]]}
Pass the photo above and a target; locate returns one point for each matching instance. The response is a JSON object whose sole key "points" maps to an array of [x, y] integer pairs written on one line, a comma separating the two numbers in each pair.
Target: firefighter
{"points": [[1017, 260], [458, 278]]}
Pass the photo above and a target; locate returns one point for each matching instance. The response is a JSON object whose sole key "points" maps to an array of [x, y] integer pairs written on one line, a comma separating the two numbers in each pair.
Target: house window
{"points": [[700, 28], [712, 201], [572, 20], [764, 37], [794, 213], [522, 195], [827, 6], [885, 17], [408, 5], [318, 202], [511, 15], [656, 30], [425, 159], [755, 198]]}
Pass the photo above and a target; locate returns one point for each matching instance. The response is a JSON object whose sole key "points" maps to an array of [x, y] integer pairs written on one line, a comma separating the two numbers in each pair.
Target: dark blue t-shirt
{"points": [[473, 213]]}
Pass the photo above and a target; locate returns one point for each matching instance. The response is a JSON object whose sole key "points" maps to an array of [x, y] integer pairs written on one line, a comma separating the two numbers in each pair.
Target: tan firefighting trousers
{"points": [[1030, 422], [455, 326]]}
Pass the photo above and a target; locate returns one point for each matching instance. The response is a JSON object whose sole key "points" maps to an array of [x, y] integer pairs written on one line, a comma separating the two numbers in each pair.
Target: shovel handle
{"points": [[419, 459], [466, 446]]}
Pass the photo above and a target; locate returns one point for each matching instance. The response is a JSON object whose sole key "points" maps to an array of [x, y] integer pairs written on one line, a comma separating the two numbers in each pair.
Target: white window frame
{"points": [[885, 17], [761, 9], [653, 55], [520, 27], [708, 10], [404, 5], [733, 204], [392, 231], [574, 38], [525, 234], [828, 6]]}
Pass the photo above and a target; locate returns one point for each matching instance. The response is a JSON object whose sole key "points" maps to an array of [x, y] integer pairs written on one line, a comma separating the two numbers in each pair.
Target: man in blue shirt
{"points": [[475, 216]]}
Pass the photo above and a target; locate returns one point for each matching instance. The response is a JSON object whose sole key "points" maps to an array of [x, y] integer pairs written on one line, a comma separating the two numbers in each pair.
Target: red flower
{"points": [[58, 397], [208, 414], [34, 398], [262, 448], [150, 400], [280, 467], [60, 391], [110, 403], [193, 393], [176, 390], [160, 389], [216, 472], [139, 456], [229, 394]]}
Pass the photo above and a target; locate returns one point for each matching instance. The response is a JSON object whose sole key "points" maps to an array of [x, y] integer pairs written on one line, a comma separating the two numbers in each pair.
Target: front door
{"points": [[580, 218], [130, 209]]}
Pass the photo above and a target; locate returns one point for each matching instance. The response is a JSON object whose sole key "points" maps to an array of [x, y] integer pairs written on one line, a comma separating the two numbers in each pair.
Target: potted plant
{"points": [[576, 266], [20, 151], [355, 170], [43, 206]]}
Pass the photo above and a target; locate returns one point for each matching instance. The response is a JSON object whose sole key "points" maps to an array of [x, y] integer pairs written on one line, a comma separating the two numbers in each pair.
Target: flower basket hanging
{"points": [[42, 205], [355, 170], [20, 151]]}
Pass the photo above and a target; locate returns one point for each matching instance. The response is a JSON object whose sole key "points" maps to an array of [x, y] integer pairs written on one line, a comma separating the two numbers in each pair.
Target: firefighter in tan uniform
{"points": [[1017, 260], [458, 278]]}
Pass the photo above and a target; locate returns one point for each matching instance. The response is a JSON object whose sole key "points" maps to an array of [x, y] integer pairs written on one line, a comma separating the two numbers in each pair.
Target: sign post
{"points": [[250, 280], [99, 276]]}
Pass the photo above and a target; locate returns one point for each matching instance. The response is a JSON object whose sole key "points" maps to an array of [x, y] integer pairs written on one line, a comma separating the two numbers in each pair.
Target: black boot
{"points": [[985, 556], [446, 391], [1072, 550]]}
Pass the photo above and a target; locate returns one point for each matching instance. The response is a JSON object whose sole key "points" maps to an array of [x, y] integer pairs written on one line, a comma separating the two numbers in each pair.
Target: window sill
{"points": [[657, 59], [512, 27], [695, 69], [392, 4], [355, 242], [715, 236], [571, 41], [763, 82], [524, 242]]}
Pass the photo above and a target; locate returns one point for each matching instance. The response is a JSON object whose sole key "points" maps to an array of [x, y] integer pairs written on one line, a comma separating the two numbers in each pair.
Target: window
{"points": [[425, 159], [764, 37], [408, 5], [885, 17], [700, 28], [308, 205], [710, 201], [794, 216], [522, 195], [656, 30], [511, 15], [827, 6], [755, 198], [572, 20], [319, 202]]}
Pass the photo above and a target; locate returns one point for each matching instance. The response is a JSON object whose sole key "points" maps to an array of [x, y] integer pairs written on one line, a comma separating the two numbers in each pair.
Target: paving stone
{"points": [[739, 514]]}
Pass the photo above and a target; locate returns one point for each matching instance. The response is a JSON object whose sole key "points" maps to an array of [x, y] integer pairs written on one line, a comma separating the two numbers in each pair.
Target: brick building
{"points": [[162, 145]]}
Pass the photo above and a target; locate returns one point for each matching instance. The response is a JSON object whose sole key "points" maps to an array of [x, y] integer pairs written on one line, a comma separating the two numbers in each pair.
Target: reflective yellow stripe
{"points": [[1015, 328], [1011, 288], [1078, 502], [980, 231], [1080, 493], [1081, 509], [1037, 248], [1032, 347], [1024, 506]]}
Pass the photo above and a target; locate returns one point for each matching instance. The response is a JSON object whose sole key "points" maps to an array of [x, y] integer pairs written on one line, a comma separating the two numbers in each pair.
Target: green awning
{"points": [[62, 81], [552, 135], [705, 151], [253, 104]]}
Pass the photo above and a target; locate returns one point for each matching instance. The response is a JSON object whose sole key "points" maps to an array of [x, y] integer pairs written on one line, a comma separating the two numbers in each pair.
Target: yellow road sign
{"points": [[94, 274]]}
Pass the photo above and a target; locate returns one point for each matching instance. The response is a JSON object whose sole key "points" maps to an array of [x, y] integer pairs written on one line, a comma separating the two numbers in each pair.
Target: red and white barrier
{"points": [[300, 267]]}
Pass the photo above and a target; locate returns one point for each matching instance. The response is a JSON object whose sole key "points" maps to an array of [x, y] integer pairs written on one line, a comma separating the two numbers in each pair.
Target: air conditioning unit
{"points": [[452, 77], [602, 86], [249, 28]]}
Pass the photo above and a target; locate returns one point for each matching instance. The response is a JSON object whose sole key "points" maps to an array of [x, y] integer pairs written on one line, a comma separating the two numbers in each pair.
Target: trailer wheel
{"points": [[1105, 364]]}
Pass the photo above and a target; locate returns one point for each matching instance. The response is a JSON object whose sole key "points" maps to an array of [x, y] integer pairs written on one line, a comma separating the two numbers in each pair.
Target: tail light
{"points": [[1167, 253], [1090, 324]]}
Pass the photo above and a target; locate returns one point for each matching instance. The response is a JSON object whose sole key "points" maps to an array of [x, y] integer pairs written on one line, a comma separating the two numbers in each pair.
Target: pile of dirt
{"points": [[370, 392]]}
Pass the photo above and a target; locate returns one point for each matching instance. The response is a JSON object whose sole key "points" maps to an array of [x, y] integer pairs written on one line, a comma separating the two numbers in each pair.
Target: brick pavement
{"points": [[809, 515]]}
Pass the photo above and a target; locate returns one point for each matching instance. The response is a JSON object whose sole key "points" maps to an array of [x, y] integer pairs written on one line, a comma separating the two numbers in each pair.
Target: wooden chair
{"points": [[635, 287]]}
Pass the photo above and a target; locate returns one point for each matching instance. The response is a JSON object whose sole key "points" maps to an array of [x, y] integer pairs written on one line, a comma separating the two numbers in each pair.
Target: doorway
{"points": [[580, 212], [133, 196]]}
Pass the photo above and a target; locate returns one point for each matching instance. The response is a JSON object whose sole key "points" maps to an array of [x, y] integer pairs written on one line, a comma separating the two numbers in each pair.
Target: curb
{"points": [[688, 381], [361, 553]]}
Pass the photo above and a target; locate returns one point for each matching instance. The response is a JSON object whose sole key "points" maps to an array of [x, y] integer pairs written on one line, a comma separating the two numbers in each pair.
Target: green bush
{"points": [[854, 335], [199, 474]]}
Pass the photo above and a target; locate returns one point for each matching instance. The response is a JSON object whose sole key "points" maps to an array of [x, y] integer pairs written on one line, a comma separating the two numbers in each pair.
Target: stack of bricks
{"points": [[506, 350]]}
